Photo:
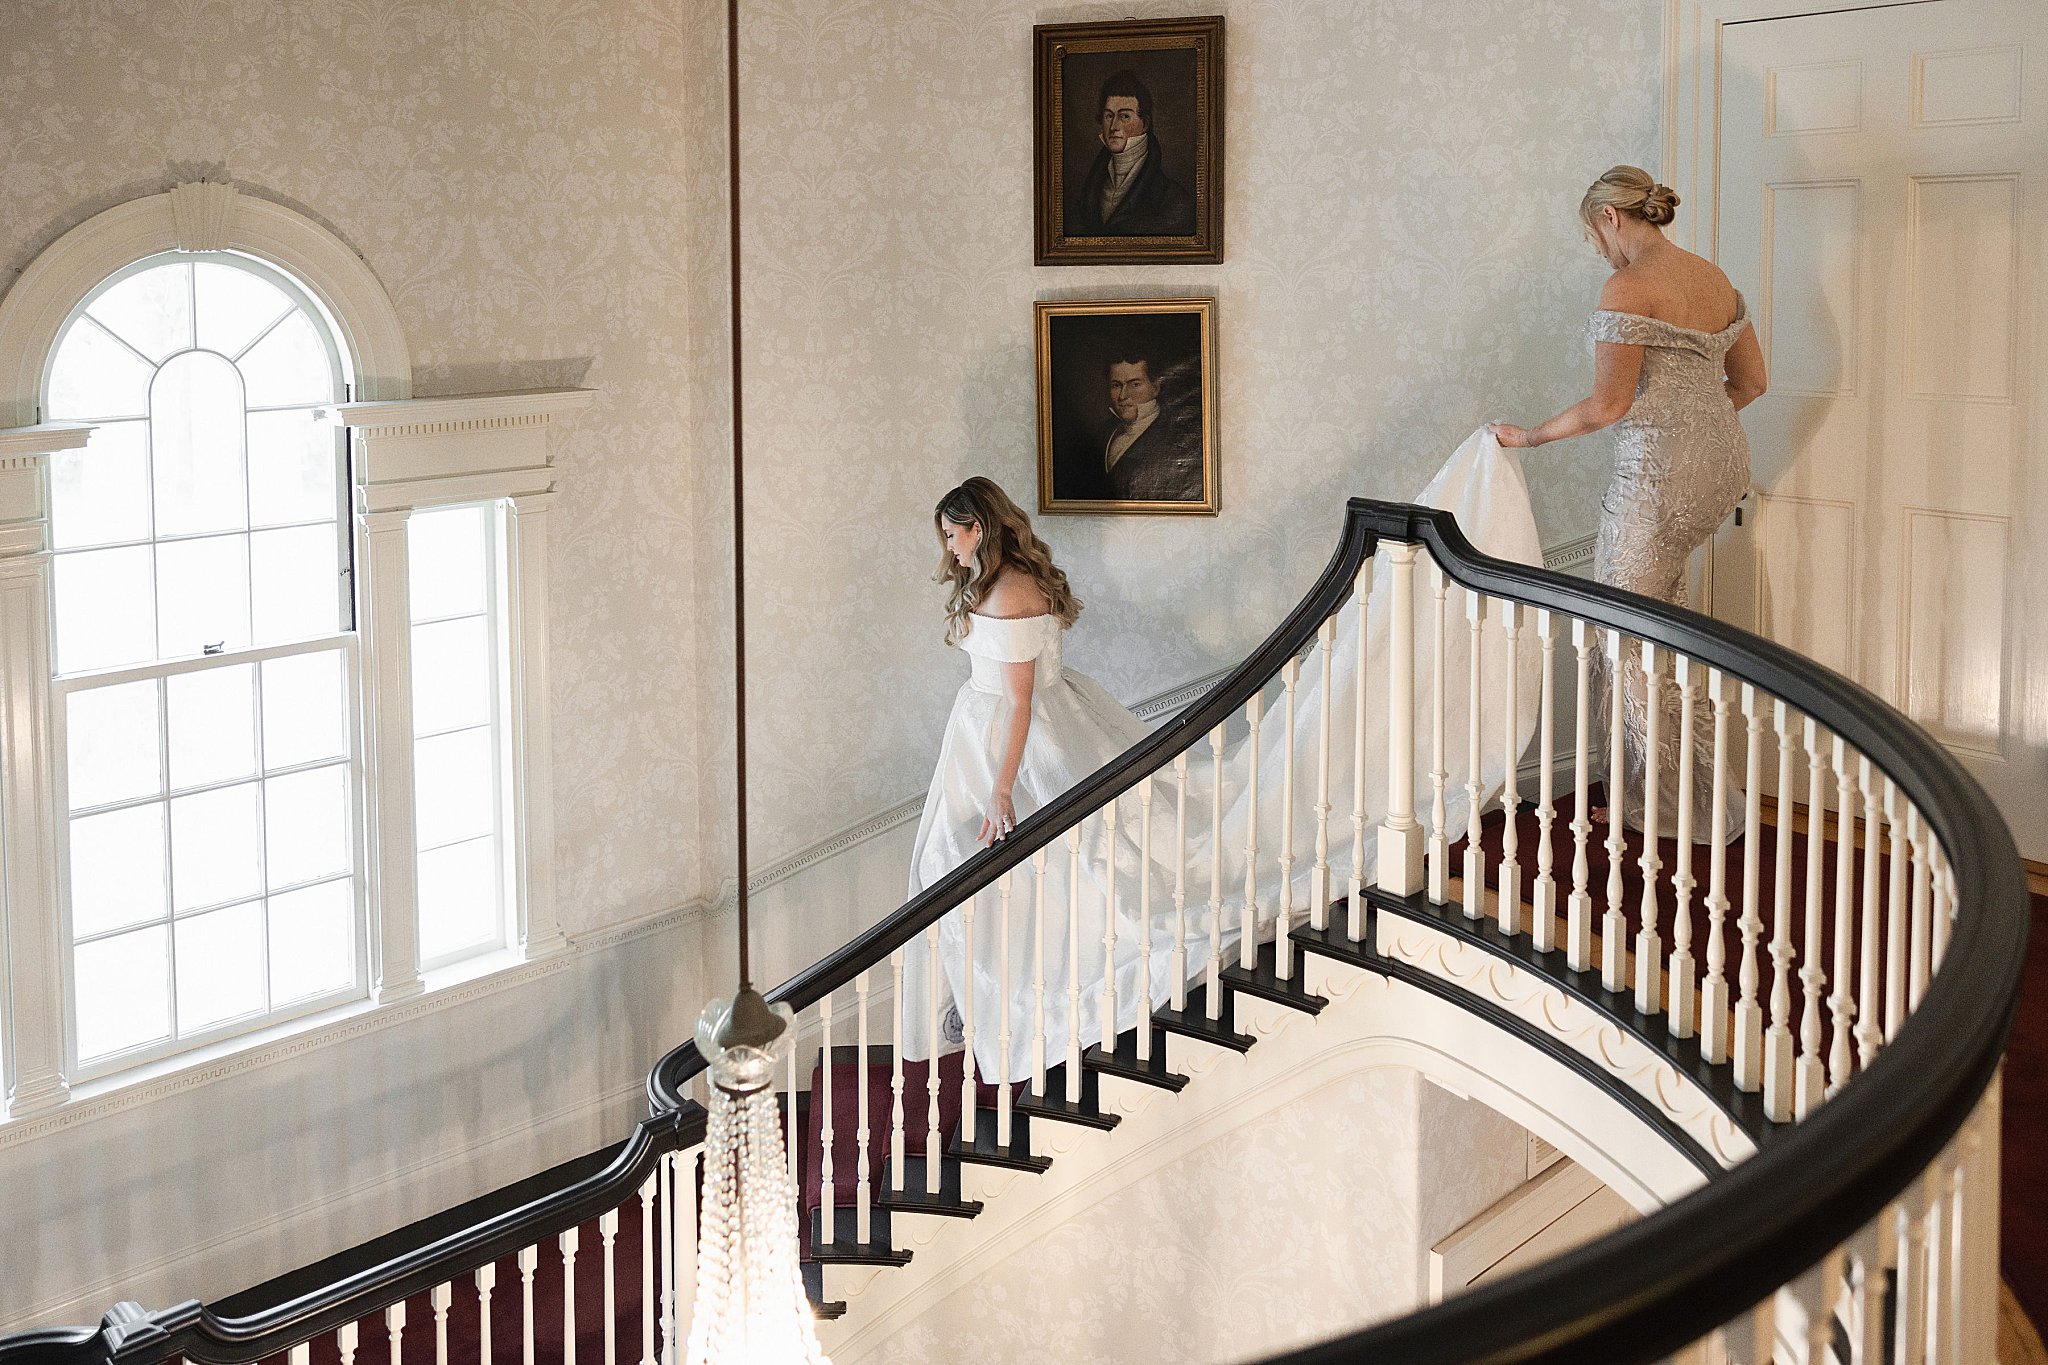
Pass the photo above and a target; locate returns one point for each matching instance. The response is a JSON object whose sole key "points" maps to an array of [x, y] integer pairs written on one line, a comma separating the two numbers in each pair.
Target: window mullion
{"points": [[393, 862]]}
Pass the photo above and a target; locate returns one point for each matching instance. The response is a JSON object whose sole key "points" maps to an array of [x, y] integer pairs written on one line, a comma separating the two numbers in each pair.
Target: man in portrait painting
{"points": [[1127, 192], [1153, 451]]}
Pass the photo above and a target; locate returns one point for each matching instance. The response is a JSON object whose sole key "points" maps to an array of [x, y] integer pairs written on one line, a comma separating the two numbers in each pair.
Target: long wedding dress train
{"points": [[1076, 727]]}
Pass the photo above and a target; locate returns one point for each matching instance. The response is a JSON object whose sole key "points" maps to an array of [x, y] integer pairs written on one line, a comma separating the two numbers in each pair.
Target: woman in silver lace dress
{"points": [[1674, 358]]}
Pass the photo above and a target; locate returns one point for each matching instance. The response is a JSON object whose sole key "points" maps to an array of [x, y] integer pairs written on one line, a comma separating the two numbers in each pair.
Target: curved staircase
{"points": [[1782, 1046]]}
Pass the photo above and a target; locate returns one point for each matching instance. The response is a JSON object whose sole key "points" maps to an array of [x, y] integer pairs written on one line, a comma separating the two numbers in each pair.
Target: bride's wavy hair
{"points": [[1006, 540]]}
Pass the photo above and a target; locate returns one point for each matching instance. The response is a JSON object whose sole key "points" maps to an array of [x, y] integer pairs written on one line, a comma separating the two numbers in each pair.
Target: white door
{"points": [[1883, 203]]}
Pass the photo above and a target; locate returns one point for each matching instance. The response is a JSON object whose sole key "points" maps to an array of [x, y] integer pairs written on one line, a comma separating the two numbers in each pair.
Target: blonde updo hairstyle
{"points": [[1629, 190], [1007, 540]]}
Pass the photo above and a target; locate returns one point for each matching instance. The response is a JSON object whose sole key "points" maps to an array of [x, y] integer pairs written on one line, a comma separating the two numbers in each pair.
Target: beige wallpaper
{"points": [[540, 186], [1404, 261], [514, 172]]}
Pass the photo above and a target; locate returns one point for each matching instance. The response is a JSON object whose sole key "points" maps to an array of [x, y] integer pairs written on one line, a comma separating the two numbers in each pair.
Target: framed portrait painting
{"points": [[1127, 406], [1128, 135]]}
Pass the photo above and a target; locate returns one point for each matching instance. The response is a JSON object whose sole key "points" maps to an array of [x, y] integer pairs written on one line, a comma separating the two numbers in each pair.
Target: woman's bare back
{"points": [[1672, 285]]}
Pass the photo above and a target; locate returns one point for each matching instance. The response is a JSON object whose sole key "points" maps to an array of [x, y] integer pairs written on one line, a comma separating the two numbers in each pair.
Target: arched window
{"points": [[276, 730], [202, 625]]}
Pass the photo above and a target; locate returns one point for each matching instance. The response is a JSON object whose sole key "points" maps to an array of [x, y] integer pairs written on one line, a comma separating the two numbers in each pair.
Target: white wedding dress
{"points": [[1077, 727]]}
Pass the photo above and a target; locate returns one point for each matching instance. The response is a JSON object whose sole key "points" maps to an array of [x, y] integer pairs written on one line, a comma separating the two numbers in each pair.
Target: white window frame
{"points": [[407, 454], [78, 1069]]}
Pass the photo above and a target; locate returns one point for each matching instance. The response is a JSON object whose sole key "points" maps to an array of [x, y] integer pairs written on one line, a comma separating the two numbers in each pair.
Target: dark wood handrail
{"points": [[1635, 1295]]}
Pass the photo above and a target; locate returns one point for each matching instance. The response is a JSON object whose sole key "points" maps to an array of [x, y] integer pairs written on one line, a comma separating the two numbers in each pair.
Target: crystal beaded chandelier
{"points": [[750, 1307]]}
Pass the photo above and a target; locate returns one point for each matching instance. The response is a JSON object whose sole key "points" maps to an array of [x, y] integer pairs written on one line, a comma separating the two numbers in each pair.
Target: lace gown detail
{"points": [[1681, 464]]}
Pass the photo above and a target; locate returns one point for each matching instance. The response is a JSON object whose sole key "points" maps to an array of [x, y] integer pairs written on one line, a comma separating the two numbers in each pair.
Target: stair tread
{"points": [[984, 1150], [1194, 1021], [1263, 980], [912, 1198], [1124, 1061], [1335, 941], [1054, 1104], [845, 1249]]}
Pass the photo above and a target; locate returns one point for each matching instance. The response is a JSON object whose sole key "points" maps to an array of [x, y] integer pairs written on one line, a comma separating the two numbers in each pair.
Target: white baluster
{"points": [[897, 1141], [967, 1060], [863, 1159], [440, 1298], [1917, 967], [1213, 994], [1439, 771], [1290, 675], [1248, 917], [684, 1238], [1869, 1026], [1354, 910], [1544, 903], [647, 1254], [933, 1144], [301, 1354], [789, 1124], [828, 1193], [345, 1338], [1003, 1083], [1944, 900], [608, 1230], [1817, 1291], [1038, 865], [1778, 1060], [1749, 1022], [1400, 843], [529, 1259], [1714, 989], [1180, 900], [1684, 1021], [487, 1280], [1474, 869], [1912, 1288], [1144, 921], [1898, 934], [1842, 1004], [1508, 905], [1613, 926], [671, 1296], [394, 1329], [1109, 911], [567, 1242], [1319, 882], [1811, 1082], [1578, 930], [1073, 1059], [1649, 951]]}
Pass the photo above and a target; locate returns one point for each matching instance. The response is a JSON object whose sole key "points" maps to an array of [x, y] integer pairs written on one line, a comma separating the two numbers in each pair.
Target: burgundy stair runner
{"points": [[846, 1076]]}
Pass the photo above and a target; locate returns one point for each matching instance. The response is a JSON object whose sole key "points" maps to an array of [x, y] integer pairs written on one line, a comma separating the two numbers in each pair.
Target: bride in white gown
{"points": [[1024, 729]]}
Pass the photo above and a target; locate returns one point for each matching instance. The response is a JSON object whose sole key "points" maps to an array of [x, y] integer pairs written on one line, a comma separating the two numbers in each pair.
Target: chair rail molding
{"points": [[199, 216]]}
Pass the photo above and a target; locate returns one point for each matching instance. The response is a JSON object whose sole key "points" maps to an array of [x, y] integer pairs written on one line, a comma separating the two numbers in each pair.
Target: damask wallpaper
{"points": [[1404, 263], [515, 171], [539, 184]]}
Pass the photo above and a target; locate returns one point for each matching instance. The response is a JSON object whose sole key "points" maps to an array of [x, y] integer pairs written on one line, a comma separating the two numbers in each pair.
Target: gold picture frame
{"points": [[1167, 77], [1127, 406]]}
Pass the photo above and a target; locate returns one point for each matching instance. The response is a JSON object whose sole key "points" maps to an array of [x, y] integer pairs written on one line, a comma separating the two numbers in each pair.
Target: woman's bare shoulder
{"points": [[1014, 594]]}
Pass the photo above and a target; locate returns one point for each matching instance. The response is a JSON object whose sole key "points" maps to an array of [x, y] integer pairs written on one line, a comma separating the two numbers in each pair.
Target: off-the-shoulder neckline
{"points": [[1741, 316]]}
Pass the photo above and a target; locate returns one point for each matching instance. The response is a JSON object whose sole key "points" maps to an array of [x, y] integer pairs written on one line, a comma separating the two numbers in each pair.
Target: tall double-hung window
{"points": [[206, 661]]}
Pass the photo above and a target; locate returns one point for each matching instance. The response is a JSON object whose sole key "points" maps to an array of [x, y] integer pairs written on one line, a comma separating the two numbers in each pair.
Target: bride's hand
{"points": [[1510, 435], [1000, 820]]}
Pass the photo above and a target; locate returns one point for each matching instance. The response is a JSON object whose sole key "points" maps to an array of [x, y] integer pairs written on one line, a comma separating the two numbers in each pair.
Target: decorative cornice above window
{"points": [[19, 446], [420, 452]]}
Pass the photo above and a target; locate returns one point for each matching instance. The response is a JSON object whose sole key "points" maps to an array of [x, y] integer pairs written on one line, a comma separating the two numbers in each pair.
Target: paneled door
{"points": [[1883, 203]]}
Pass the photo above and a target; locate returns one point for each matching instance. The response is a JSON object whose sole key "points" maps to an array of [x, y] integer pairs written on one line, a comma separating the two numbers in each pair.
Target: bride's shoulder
{"points": [[1014, 595]]}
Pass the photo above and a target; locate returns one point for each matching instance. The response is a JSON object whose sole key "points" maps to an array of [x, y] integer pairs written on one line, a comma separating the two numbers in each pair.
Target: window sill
{"points": [[458, 982]]}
